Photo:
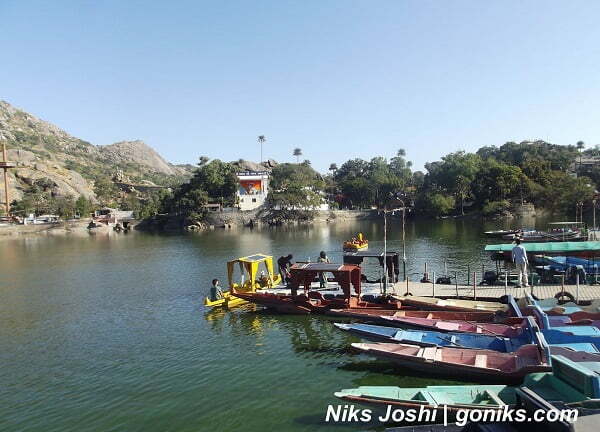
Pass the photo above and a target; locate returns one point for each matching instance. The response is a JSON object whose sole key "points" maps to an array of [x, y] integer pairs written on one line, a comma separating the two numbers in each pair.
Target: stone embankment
{"points": [[257, 217]]}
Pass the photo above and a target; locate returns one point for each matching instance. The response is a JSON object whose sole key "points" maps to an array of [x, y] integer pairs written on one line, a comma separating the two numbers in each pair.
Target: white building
{"points": [[253, 189]]}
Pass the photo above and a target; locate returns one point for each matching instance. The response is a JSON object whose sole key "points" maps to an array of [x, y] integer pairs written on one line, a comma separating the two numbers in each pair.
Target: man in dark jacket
{"points": [[284, 263]]}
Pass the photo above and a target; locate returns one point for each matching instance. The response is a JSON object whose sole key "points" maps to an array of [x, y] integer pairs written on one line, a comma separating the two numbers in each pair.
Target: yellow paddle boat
{"points": [[357, 243], [255, 272]]}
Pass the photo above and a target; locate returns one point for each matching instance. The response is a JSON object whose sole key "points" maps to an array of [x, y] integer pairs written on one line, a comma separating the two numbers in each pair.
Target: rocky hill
{"points": [[44, 151]]}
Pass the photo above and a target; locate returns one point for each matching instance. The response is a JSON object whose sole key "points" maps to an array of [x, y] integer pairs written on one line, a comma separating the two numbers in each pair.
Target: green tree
{"points": [[261, 140], [297, 153], [84, 206], [295, 186]]}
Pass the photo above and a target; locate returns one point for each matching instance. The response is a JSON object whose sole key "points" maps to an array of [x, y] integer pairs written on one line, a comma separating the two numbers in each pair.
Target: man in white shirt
{"points": [[519, 257]]}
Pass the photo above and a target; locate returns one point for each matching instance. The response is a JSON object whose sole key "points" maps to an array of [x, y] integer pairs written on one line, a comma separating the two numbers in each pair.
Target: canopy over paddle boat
{"points": [[255, 272], [357, 243], [392, 263], [571, 382], [433, 303], [347, 276]]}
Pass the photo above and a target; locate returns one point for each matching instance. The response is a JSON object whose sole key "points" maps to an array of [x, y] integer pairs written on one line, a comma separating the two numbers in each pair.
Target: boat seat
{"points": [[429, 353], [447, 325], [481, 360]]}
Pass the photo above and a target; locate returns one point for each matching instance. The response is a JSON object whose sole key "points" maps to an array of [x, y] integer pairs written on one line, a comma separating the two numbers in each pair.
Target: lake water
{"points": [[109, 333]]}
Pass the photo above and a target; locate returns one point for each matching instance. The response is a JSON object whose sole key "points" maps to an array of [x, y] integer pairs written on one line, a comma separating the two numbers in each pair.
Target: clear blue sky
{"points": [[340, 79]]}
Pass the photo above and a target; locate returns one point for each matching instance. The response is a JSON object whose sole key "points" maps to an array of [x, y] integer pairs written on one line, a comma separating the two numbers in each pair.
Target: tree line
{"points": [[491, 180]]}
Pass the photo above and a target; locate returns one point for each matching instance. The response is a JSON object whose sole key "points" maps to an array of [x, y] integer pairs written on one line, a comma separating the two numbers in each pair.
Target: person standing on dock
{"points": [[519, 257], [323, 259], [284, 263]]}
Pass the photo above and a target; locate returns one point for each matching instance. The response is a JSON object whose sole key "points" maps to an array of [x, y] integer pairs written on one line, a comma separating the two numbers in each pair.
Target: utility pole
{"points": [[6, 165]]}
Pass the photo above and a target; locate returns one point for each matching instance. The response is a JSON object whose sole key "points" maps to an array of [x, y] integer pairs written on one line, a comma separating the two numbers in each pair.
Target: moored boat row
{"points": [[546, 350]]}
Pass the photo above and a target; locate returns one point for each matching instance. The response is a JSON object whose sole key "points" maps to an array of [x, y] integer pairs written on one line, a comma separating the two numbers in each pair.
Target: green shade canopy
{"points": [[548, 247]]}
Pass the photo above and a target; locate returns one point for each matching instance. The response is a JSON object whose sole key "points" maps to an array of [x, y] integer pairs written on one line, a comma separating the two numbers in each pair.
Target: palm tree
{"points": [[297, 153], [261, 141], [580, 146]]}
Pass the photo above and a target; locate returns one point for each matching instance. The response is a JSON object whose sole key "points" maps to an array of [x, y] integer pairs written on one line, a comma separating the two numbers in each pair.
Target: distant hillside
{"points": [[44, 151]]}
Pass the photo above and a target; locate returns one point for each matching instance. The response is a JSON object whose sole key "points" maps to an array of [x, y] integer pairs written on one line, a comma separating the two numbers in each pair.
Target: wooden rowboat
{"points": [[375, 316], [571, 382], [454, 326], [474, 364], [433, 303]]}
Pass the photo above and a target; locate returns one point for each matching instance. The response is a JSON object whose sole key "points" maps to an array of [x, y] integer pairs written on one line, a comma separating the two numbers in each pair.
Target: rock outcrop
{"points": [[42, 150]]}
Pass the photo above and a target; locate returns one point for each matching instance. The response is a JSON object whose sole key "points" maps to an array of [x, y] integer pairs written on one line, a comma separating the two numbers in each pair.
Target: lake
{"points": [[109, 333]]}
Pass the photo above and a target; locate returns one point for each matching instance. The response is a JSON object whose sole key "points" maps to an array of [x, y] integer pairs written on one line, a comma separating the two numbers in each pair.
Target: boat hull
{"points": [[228, 301]]}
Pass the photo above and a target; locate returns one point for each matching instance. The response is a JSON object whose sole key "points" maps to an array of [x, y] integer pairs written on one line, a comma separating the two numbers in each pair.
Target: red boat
{"points": [[474, 364], [454, 326], [348, 276], [380, 316]]}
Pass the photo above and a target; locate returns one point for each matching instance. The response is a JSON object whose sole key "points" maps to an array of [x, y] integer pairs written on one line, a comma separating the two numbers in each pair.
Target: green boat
{"points": [[569, 382]]}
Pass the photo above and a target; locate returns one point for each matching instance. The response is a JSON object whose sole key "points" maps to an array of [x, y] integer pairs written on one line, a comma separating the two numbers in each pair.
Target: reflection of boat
{"points": [[250, 279], [433, 303], [569, 382], [356, 243], [346, 276]]}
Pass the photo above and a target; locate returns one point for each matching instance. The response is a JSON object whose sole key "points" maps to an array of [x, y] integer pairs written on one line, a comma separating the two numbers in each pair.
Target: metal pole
{"points": [[445, 268], [505, 281], [433, 285], [5, 159], [384, 251], [474, 286], [404, 268], [406, 286], [456, 282], [403, 238], [468, 274]]}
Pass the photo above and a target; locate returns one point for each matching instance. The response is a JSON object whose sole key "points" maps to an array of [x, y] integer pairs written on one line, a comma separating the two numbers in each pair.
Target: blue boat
{"points": [[551, 303], [560, 323], [470, 340], [434, 338]]}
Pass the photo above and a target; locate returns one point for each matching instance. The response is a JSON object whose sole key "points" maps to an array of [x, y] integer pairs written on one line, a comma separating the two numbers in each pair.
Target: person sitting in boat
{"points": [[519, 257], [284, 263], [215, 291], [360, 238], [323, 259]]}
